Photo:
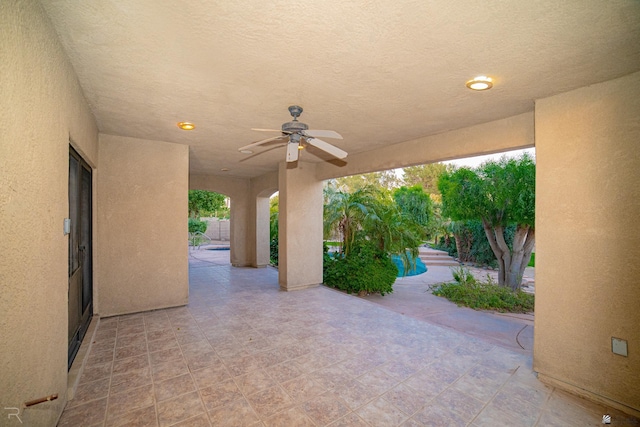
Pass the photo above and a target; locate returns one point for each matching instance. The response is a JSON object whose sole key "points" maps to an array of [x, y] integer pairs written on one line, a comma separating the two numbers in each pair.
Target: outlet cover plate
{"points": [[619, 346]]}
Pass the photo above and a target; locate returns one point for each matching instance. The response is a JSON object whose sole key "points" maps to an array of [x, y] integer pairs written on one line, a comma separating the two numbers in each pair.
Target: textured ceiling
{"points": [[378, 72]]}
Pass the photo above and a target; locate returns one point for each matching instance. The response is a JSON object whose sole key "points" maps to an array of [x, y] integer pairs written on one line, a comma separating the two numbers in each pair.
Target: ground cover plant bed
{"points": [[483, 295]]}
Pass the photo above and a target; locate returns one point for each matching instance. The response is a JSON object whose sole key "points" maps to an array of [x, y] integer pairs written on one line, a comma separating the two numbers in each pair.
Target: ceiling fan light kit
{"points": [[296, 134]]}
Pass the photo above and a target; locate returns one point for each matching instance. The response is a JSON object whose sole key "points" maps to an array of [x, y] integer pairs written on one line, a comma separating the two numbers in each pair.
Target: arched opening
{"points": [[209, 228]]}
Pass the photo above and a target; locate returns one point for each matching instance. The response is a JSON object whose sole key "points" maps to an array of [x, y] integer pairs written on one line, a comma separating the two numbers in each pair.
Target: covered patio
{"points": [[242, 352], [96, 172]]}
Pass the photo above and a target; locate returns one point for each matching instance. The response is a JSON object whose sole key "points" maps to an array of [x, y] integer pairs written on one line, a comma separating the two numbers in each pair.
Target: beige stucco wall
{"points": [[300, 227], [588, 239], [140, 266], [492, 137], [41, 108]]}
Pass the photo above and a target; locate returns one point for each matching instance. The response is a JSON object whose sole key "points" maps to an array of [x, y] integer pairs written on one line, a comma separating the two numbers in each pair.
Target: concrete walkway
{"points": [[412, 297]]}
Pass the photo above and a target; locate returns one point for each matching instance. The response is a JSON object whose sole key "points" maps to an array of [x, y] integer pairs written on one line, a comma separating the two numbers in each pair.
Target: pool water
{"points": [[418, 269]]}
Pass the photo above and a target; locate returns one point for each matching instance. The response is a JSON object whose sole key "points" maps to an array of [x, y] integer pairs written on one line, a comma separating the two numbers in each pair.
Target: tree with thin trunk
{"points": [[498, 193]]}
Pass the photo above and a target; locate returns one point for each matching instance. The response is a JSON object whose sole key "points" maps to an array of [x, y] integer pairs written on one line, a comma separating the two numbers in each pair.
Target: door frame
{"points": [[80, 256]]}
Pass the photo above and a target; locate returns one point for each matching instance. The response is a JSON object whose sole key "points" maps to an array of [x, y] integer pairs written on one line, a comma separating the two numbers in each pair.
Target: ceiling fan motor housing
{"points": [[294, 127]]}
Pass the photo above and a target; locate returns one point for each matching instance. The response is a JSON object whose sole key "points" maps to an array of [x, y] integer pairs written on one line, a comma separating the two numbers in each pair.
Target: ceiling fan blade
{"points": [[261, 152], [292, 152], [322, 134], [325, 146], [266, 130], [263, 141]]}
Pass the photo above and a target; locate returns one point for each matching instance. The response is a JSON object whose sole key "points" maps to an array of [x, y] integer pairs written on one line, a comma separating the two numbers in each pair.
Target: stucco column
{"points": [[261, 232], [239, 214], [587, 234], [300, 227]]}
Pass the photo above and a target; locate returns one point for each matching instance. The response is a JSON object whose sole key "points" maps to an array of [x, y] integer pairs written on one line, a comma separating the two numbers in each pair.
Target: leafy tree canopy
{"points": [[415, 203], [379, 180], [427, 176], [205, 203], [274, 204], [498, 193]]}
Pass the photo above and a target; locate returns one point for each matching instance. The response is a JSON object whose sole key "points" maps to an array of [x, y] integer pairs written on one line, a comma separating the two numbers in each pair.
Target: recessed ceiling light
{"points": [[246, 151], [225, 169], [480, 83], [186, 126]]}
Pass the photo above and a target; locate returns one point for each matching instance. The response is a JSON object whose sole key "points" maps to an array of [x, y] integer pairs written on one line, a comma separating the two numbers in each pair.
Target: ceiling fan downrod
{"points": [[295, 111]]}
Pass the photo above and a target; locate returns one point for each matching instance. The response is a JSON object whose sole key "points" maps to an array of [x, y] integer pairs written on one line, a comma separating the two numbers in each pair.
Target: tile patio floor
{"points": [[243, 353]]}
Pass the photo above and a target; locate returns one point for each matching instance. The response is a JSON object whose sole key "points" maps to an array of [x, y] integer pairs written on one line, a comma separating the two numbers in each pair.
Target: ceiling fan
{"points": [[296, 135]]}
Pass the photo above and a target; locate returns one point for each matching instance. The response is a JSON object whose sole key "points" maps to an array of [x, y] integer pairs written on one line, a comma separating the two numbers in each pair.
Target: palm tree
{"points": [[346, 213], [370, 213], [393, 231]]}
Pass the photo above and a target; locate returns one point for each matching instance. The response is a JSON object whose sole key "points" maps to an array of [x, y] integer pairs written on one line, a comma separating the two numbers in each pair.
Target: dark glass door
{"points": [[80, 252]]}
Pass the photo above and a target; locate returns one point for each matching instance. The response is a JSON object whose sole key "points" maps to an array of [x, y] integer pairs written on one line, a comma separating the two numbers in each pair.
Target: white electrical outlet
{"points": [[619, 346]]}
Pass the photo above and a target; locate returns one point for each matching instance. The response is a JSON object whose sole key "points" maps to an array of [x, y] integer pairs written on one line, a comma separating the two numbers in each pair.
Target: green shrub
{"points": [[365, 270], [448, 244], [532, 261], [472, 237], [273, 231], [481, 251], [470, 292], [195, 225], [462, 275], [273, 251]]}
